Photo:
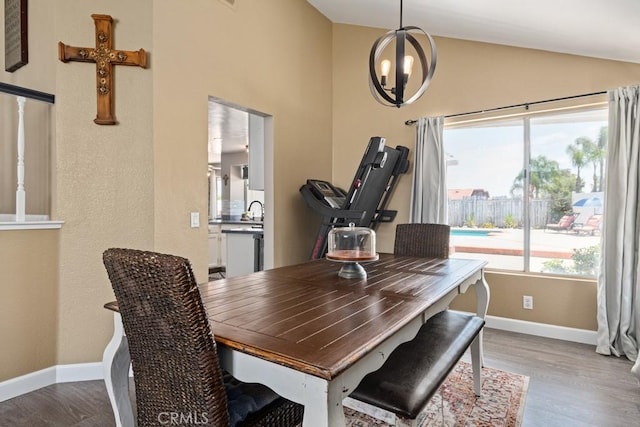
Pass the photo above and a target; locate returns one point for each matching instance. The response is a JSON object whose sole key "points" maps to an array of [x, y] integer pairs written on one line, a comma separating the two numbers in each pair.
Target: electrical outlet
{"points": [[527, 302], [195, 219]]}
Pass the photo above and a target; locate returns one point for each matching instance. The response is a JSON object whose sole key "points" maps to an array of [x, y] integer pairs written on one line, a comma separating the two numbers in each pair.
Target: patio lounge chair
{"points": [[590, 227], [565, 224]]}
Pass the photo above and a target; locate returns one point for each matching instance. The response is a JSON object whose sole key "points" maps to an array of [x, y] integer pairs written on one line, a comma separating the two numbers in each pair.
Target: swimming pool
{"points": [[472, 231]]}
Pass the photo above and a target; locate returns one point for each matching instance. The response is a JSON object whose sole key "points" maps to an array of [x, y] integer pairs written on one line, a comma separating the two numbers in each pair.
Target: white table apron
{"points": [[322, 399]]}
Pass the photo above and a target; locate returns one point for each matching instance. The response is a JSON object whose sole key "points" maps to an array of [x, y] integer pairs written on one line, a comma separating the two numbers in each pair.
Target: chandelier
{"points": [[395, 96]]}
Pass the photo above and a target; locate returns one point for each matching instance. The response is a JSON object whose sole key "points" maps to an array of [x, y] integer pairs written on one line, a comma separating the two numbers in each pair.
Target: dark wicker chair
{"points": [[173, 353], [424, 240]]}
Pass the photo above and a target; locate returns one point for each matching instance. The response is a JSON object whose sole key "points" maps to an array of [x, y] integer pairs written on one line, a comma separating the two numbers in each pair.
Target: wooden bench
{"points": [[415, 370]]}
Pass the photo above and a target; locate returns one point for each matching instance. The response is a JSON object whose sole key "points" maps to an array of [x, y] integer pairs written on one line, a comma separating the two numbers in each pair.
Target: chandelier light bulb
{"points": [[384, 73], [408, 65], [386, 66]]}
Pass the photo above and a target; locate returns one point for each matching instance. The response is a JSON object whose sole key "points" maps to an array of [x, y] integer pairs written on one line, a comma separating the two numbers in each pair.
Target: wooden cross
{"points": [[105, 58]]}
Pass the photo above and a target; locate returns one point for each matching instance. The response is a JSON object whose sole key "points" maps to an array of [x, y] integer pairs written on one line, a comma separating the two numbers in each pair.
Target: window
{"points": [[544, 217]]}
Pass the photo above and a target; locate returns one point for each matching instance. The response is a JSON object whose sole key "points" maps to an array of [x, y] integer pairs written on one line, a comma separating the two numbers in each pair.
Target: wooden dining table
{"points": [[310, 335]]}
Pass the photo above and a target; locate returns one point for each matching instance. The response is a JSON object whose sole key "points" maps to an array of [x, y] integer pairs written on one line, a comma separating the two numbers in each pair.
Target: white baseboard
{"points": [[542, 330], [52, 375], [27, 383], [79, 372], [93, 371]]}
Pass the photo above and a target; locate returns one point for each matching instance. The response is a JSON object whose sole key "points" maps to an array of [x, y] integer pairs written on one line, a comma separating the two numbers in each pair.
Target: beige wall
{"points": [[134, 184], [102, 189], [105, 186], [29, 295], [39, 73], [270, 56], [556, 301], [470, 76], [29, 259]]}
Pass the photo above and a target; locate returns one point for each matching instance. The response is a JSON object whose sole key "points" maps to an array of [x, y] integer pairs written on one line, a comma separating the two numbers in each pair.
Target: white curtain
{"points": [[618, 281], [429, 187]]}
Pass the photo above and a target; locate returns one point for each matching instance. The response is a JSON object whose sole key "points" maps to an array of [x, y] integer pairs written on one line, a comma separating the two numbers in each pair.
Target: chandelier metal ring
{"points": [[377, 90]]}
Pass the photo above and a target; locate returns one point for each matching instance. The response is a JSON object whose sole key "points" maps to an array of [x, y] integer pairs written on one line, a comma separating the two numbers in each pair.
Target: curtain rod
{"points": [[526, 105]]}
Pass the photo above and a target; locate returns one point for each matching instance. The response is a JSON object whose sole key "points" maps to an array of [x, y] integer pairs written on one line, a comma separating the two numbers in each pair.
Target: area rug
{"points": [[455, 404]]}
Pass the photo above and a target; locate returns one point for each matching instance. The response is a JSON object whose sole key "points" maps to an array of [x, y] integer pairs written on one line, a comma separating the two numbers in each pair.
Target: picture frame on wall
{"points": [[16, 50]]}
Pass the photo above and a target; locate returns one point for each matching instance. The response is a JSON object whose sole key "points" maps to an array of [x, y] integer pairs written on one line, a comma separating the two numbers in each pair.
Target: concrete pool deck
{"points": [[503, 248]]}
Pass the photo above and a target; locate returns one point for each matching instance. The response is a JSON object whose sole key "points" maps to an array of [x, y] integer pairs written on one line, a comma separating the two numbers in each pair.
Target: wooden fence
{"points": [[500, 213]]}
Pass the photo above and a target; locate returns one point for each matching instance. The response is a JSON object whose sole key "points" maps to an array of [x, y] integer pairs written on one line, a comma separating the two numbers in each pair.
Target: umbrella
{"points": [[588, 202]]}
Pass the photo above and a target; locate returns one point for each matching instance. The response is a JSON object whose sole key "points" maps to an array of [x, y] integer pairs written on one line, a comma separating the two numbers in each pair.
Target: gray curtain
{"points": [[618, 288], [429, 186]]}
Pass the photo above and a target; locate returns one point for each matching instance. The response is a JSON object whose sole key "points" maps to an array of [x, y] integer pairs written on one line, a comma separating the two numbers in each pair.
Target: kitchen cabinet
{"points": [[256, 152], [223, 249], [215, 248], [218, 241], [218, 244], [244, 251]]}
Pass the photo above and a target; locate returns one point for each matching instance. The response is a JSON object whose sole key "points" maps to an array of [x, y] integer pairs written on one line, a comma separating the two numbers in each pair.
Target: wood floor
{"points": [[570, 385]]}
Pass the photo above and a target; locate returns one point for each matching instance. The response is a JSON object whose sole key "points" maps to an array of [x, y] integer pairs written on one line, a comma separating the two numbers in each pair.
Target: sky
{"points": [[491, 157]]}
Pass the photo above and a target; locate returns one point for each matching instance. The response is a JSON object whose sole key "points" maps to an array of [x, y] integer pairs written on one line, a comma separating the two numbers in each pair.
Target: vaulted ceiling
{"points": [[607, 29]]}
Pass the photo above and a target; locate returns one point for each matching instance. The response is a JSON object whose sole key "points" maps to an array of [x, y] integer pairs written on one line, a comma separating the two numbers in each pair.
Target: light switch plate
{"points": [[195, 219]]}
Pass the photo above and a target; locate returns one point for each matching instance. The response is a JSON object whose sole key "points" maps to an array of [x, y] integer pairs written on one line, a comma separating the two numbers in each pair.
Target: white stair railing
{"points": [[20, 192], [22, 221]]}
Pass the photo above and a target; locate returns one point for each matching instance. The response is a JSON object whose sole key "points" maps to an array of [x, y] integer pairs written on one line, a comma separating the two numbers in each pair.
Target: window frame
{"points": [[598, 102]]}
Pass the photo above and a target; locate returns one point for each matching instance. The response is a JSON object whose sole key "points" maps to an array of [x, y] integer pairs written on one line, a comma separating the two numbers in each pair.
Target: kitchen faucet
{"points": [[261, 208]]}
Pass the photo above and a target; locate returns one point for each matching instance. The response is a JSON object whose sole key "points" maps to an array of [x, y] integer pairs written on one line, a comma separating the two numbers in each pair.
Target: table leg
{"points": [[322, 404], [115, 364], [482, 304]]}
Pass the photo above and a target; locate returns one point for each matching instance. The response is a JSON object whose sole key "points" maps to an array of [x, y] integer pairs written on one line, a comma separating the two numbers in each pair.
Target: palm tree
{"points": [[602, 150], [591, 155], [543, 173], [578, 160]]}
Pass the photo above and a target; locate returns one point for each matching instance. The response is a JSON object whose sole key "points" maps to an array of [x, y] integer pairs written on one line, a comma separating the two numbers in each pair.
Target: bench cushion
{"points": [[416, 369]]}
